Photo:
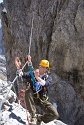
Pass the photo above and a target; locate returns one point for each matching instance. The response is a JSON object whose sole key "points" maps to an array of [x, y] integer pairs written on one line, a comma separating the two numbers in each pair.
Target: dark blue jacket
{"points": [[45, 77]]}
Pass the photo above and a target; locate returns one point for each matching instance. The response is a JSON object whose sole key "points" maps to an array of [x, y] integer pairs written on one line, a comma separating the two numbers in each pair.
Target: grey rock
{"points": [[18, 116], [3, 74]]}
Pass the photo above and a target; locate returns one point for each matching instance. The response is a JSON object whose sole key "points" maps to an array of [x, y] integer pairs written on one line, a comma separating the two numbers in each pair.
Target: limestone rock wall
{"points": [[70, 106], [68, 42], [58, 35]]}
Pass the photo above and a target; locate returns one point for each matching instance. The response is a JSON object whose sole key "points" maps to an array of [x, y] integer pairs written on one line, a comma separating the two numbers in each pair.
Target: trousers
{"points": [[50, 113]]}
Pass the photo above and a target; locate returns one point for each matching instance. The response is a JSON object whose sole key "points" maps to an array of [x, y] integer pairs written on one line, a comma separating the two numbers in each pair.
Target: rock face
{"points": [[70, 106], [15, 114], [58, 35], [67, 44]]}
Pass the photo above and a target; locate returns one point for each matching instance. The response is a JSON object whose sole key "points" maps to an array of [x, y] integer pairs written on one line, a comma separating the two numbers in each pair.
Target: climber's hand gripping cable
{"points": [[34, 75]]}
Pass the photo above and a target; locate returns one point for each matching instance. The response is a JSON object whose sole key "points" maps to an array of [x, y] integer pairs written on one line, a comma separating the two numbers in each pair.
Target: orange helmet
{"points": [[44, 63]]}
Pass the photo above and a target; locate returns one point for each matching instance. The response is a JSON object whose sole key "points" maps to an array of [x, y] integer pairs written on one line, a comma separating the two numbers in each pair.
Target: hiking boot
{"points": [[33, 121], [38, 122], [39, 119], [4, 107]]}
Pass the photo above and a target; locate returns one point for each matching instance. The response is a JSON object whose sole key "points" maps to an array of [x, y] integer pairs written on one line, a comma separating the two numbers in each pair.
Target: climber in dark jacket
{"points": [[39, 98]]}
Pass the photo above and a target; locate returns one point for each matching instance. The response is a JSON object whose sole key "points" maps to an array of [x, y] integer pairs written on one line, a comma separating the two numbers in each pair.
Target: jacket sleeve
{"points": [[26, 75], [48, 81]]}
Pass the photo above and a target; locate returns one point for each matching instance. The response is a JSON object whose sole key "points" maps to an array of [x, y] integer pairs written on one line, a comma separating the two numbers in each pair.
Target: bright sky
{"points": [[0, 23], [0, 19], [1, 1]]}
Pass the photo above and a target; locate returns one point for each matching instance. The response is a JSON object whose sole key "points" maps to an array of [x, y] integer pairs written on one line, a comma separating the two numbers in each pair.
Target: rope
{"points": [[27, 63], [21, 101], [1, 90], [31, 35]]}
